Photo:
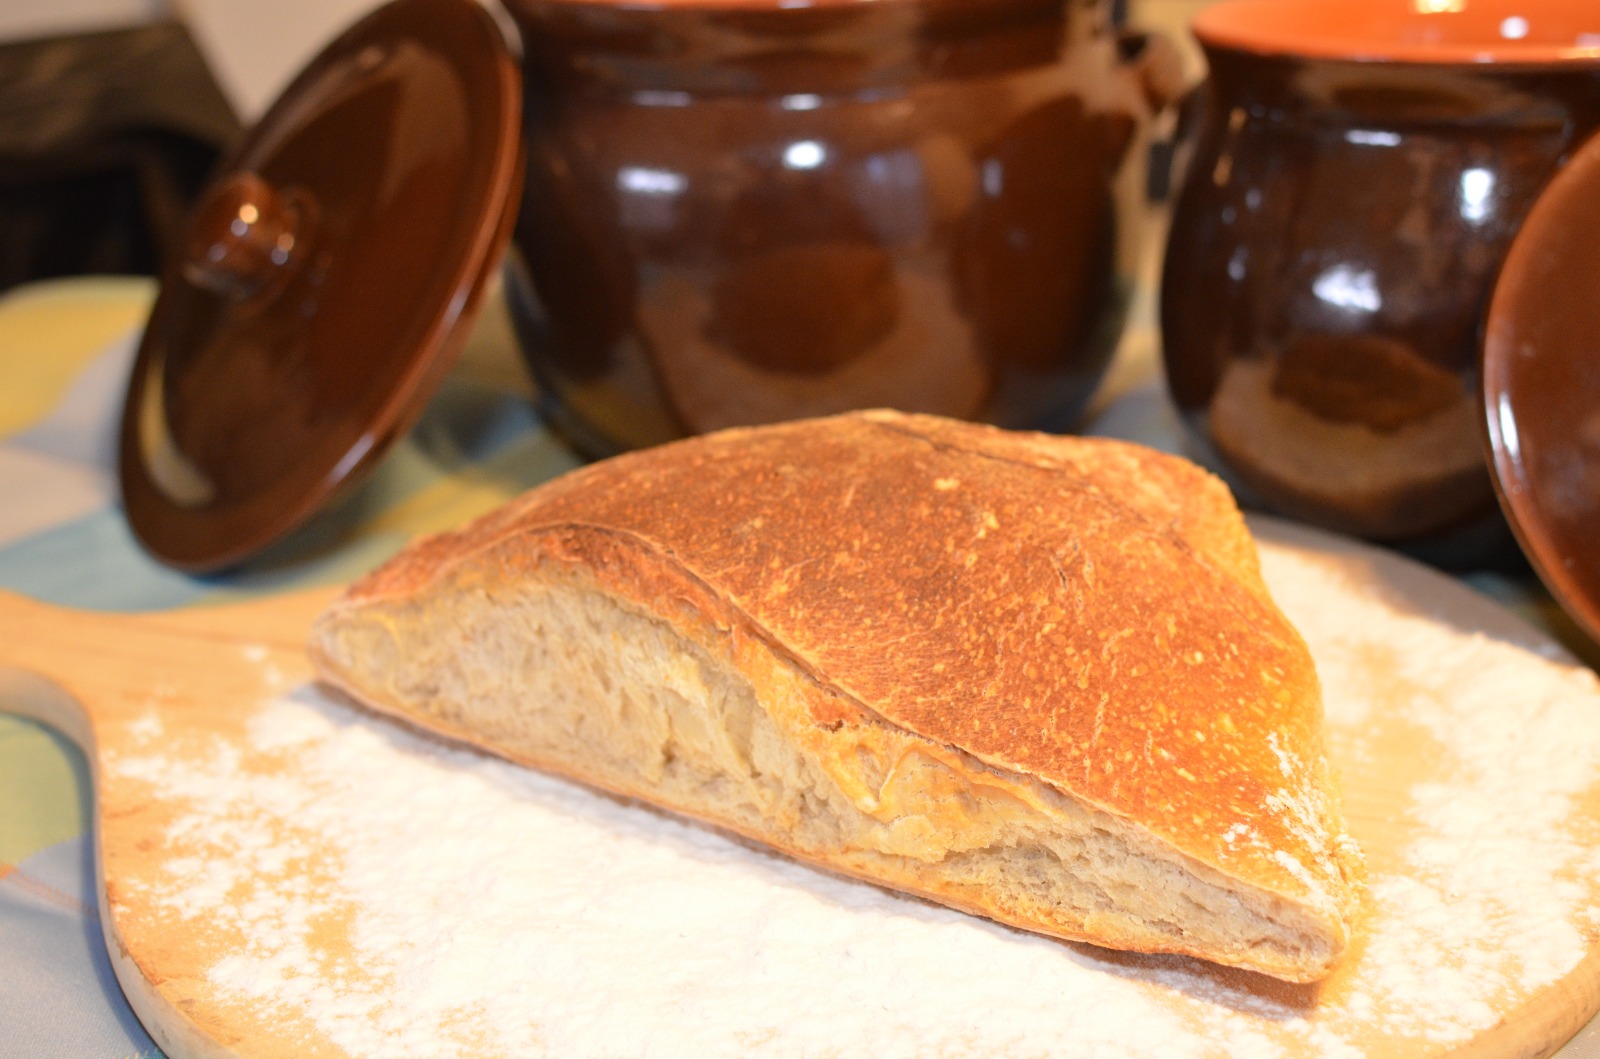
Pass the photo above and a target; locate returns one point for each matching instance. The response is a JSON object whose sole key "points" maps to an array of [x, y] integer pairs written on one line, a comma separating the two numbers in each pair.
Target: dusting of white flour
{"points": [[484, 909]]}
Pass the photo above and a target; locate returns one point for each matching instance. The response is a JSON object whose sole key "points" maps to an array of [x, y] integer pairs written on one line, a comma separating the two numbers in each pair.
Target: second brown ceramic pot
{"points": [[1360, 171], [744, 212]]}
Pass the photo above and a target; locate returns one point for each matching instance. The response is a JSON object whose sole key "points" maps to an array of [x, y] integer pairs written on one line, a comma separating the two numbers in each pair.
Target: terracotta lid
{"points": [[326, 283], [1501, 32], [1541, 386]]}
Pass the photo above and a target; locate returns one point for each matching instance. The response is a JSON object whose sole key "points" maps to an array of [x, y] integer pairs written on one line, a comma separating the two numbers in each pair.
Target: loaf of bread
{"points": [[1036, 678]]}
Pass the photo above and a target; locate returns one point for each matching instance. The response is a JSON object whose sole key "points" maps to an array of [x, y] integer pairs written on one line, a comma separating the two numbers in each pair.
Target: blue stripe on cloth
{"points": [[56, 961], [94, 562]]}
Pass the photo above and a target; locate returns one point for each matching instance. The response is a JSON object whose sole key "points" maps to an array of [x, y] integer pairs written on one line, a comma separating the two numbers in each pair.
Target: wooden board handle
{"points": [[69, 666]]}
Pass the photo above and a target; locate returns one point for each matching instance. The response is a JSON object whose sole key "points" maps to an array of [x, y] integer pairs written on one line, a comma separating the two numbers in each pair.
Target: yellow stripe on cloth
{"points": [[479, 488], [52, 330], [43, 787]]}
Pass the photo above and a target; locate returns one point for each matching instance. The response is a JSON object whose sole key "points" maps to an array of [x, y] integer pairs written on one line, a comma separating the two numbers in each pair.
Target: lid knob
{"points": [[244, 236]]}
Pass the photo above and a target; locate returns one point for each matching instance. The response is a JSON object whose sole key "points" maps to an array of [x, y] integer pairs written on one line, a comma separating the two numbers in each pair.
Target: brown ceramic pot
{"points": [[1361, 169], [744, 212]]}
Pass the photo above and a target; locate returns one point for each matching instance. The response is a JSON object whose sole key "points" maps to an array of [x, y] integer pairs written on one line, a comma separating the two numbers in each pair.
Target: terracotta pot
{"points": [[1360, 171], [739, 213]]}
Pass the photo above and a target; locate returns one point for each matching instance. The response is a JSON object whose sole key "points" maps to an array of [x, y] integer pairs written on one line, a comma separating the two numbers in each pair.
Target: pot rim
{"points": [[1499, 33], [749, 7]]}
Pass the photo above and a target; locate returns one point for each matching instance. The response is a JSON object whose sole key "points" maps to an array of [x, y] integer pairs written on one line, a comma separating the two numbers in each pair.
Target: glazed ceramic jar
{"points": [[742, 212], [1361, 169]]}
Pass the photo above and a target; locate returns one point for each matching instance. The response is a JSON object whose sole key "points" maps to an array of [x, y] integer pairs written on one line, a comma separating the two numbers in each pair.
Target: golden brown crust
{"points": [[1088, 613]]}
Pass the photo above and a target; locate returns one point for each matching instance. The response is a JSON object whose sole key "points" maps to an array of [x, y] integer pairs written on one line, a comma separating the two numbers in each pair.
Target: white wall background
{"points": [[254, 46]]}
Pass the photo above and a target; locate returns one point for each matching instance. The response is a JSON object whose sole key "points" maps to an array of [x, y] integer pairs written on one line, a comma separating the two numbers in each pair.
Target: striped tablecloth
{"points": [[65, 350]]}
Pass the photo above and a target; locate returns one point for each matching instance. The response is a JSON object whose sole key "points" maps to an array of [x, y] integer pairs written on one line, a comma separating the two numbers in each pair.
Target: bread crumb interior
{"points": [[562, 676]]}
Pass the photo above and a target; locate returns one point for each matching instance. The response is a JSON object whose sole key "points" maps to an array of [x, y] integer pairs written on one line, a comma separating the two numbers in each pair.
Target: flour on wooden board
{"points": [[488, 909]]}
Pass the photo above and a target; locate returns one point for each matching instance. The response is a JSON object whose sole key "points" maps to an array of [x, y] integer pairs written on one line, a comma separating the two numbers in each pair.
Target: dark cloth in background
{"points": [[106, 140]]}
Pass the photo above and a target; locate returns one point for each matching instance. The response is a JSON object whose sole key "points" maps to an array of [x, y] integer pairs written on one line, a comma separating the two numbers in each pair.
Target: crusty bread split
{"points": [[1036, 678]]}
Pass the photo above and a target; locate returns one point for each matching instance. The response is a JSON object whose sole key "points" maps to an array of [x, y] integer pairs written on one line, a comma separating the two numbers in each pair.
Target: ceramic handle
{"points": [[1156, 67], [244, 235], [1156, 64]]}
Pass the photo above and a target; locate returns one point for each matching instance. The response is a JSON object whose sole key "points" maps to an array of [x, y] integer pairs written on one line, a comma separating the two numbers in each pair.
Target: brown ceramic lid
{"points": [[1541, 386], [326, 283]]}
